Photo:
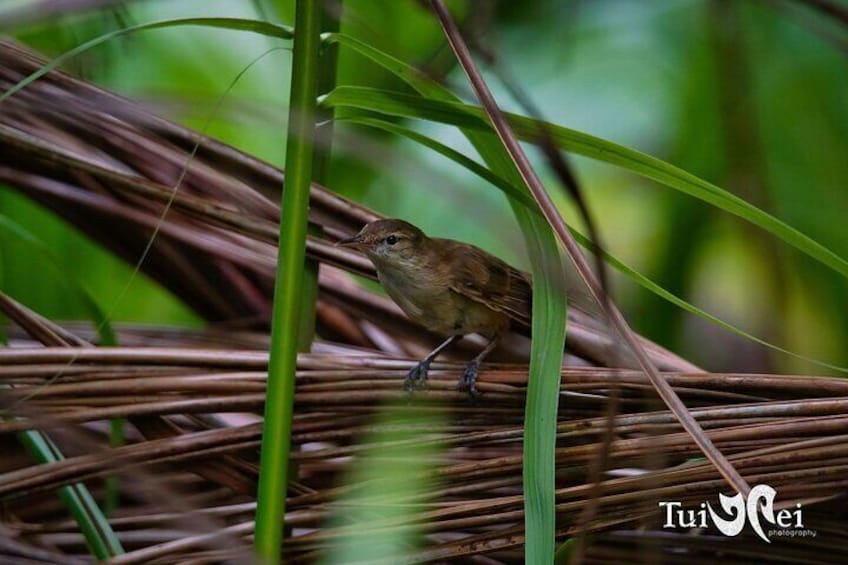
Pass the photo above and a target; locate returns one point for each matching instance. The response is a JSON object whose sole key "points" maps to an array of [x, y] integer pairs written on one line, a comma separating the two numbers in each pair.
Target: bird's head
{"points": [[387, 241]]}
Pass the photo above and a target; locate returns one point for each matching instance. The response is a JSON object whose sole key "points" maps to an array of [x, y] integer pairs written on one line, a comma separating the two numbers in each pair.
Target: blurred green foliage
{"points": [[748, 95], [394, 479]]}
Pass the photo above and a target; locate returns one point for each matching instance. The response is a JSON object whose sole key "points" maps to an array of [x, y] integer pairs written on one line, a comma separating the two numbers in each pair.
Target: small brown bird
{"points": [[449, 287]]}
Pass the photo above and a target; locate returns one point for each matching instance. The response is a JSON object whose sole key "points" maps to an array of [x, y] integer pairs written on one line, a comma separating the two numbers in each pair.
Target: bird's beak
{"points": [[354, 242]]}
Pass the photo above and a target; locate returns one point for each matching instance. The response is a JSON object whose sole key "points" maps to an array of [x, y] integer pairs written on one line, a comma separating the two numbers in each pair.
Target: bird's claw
{"points": [[416, 378], [468, 380]]}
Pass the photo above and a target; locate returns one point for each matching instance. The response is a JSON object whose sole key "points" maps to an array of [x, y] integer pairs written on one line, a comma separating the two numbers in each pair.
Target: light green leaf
{"points": [[237, 24], [472, 117]]}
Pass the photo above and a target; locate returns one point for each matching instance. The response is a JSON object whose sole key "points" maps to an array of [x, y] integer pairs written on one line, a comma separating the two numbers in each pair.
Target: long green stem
{"points": [[279, 402]]}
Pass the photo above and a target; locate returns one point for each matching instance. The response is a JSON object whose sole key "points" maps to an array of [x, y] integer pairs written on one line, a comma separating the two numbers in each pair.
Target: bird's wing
{"points": [[486, 279]]}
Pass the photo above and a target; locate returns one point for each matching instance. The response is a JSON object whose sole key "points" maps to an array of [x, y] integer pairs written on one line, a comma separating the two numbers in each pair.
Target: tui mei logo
{"points": [[760, 503]]}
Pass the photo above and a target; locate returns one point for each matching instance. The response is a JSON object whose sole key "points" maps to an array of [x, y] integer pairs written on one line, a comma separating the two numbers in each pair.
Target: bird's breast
{"points": [[428, 300], [420, 295]]}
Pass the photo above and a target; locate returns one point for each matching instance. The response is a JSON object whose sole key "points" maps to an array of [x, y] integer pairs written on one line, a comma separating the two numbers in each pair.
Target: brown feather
{"points": [[484, 278]]}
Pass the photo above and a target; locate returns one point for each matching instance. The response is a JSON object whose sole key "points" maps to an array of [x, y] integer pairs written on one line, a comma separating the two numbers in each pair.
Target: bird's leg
{"points": [[469, 376], [417, 375]]}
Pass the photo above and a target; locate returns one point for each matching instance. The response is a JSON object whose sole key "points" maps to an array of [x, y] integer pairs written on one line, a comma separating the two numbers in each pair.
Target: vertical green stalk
{"points": [[279, 401]]}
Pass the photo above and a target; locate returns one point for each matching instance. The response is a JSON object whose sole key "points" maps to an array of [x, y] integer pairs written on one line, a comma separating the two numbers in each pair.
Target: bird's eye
{"points": [[391, 240]]}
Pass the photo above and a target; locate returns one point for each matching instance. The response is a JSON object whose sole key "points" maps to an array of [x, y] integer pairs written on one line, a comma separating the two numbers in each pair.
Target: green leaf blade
{"points": [[471, 117]]}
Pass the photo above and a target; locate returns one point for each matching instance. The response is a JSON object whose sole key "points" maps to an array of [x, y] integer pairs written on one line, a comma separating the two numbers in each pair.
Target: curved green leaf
{"points": [[650, 285], [509, 189], [98, 533], [410, 75], [237, 24], [472, 117]]}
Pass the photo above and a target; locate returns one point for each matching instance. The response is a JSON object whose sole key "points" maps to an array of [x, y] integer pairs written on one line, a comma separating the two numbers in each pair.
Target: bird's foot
{"points": [[468, 380], [416, 378]]}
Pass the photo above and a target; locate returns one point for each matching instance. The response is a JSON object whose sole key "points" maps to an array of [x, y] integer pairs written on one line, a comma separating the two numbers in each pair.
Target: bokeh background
{"points": [[747, 94]]}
